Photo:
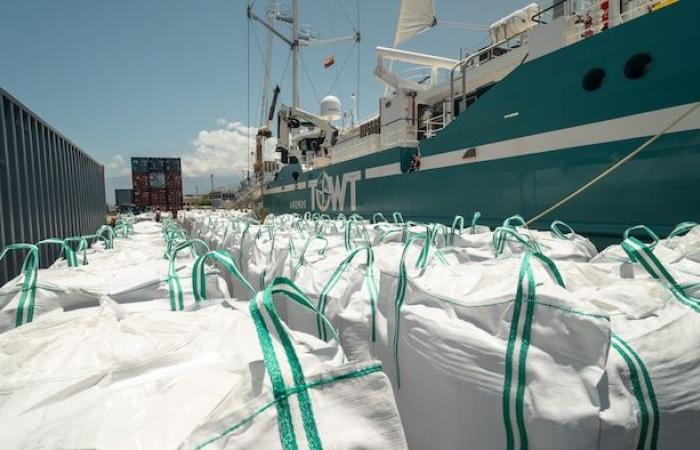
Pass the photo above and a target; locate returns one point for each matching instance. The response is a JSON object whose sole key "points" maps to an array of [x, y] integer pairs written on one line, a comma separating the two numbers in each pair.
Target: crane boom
{"points": [[263, 134]]}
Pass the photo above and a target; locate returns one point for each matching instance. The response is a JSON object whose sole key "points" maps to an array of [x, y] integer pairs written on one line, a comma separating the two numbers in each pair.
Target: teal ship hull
{"points": [[537, 136]]}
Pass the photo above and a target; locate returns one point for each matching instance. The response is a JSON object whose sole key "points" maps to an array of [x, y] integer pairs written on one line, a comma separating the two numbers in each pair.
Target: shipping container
{"points": [[49, 187], [124, 197], [142, 198], [139, 165], [157, 183]]}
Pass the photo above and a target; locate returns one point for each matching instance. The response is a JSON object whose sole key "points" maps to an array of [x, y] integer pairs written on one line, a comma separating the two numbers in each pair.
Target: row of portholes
{"points": [[635, 68]]}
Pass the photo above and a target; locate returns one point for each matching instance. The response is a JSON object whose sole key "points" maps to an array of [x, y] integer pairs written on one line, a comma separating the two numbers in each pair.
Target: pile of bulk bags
{"points": [[156, 355], [503, 338], [138, 269], [221, 330]]}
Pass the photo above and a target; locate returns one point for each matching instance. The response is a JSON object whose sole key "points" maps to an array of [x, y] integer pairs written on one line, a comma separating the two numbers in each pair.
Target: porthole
{"points": [[593, 80], [638, 66]]}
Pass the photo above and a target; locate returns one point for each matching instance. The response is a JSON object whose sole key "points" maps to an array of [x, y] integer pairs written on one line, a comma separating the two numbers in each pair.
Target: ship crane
{"points": [[321, 139], [261, 137], [299, 131]]}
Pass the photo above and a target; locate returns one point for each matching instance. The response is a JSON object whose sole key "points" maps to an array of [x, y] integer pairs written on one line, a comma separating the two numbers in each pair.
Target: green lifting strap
{"points": [[30, 270]]}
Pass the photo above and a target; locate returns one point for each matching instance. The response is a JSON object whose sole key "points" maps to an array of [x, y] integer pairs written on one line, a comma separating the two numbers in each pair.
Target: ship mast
{"points": [[296, 39], [295, 53]]}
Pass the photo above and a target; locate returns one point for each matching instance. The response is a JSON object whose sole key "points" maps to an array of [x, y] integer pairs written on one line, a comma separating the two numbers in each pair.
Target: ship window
{"points": [[593, 80], [638, 66]]}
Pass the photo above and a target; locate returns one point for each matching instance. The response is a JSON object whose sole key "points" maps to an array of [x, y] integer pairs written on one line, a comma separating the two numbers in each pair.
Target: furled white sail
{"points": [[415, 16], [515, 23]]}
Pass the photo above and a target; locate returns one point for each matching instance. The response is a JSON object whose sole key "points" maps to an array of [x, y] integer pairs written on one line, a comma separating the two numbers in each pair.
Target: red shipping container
{"points": [[174, 178], [142, 198], [175, 192], [140, 180], [158, 197], [163, 173]]}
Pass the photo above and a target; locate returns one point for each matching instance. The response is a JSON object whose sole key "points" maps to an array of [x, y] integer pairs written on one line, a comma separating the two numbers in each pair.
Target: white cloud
{"points": [[117, 167], [224, 150]]}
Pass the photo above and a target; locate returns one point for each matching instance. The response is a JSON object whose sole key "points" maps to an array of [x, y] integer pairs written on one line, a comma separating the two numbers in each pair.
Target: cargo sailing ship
{"points": [[559, 96]]}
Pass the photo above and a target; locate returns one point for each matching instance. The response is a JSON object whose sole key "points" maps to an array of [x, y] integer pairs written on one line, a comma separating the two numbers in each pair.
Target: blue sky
{"points": [[169, 77]]}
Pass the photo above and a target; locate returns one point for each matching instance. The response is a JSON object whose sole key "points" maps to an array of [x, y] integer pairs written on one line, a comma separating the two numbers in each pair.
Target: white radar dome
{"points": [[330, 108]]}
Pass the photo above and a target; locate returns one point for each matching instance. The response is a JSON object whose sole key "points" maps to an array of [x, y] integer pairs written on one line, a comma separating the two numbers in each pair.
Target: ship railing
{"points": [[588, 21], [593, 17], [433, 125], [366, 119], [320, 161], [641, 8], [546, 15], [355, 147], [399, 137], [474, 60]]}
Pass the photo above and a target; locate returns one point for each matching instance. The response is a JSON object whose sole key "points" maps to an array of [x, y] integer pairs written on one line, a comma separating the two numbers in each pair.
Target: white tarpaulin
{"points": [[415, 16], [515, 23]]}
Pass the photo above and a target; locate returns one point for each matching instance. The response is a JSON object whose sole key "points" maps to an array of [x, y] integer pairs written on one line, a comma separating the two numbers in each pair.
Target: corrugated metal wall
{"points": [[48, 186]]}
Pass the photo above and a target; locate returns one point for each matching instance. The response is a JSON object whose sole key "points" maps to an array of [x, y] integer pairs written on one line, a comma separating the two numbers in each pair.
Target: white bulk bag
{"points": [[24, 298], [147, 228], [651, 400], [457, 229], [216, 234], [355, 233], [339, 406], [561, 243], [680, 256], [267, 257], [315, 249], [39, 291], [100, 378], [345, 291], [237, 244], [123, 252], [486, 356], [686, 239], [167, 279], [225, 259], [616, 254]]}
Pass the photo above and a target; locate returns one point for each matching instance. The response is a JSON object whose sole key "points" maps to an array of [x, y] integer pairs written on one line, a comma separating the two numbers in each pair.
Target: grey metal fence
{"points": [[48, 186]]}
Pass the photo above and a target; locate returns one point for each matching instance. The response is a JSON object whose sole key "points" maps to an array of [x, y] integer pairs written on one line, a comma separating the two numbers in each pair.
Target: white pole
{"points": [[353, 113], [357, 80], [295, 53]]}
